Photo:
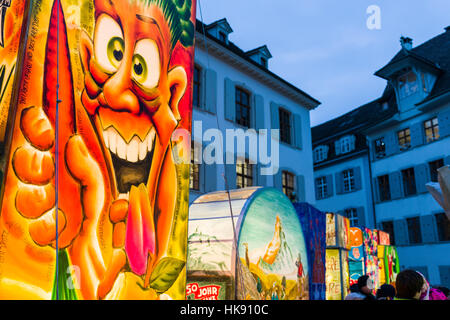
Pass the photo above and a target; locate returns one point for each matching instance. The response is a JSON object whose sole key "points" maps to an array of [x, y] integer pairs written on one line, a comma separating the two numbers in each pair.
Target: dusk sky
{"points": [[324, 47]]}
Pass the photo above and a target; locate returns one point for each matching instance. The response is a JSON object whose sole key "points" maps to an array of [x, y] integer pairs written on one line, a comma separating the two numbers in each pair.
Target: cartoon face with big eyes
{"points": [[132, 99]]}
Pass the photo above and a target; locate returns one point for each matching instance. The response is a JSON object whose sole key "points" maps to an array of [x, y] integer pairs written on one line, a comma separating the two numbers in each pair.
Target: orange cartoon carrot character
{"points": [[117, 178]]}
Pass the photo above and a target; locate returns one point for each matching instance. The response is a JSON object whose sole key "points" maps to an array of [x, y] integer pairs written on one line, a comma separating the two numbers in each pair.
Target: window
{"points": [[194, 181], [384, 189], [404, 138], [346, 144], [242, 108], [348, 180], [434, 166], [414, 230], [380, 148], [196, 84], [288, 184], [352, 216], [388, 226], [244, 174], [408, 84], [322, 188], [320, 153], [443, 227], [285, 125], [431, 129], [409, 182]]}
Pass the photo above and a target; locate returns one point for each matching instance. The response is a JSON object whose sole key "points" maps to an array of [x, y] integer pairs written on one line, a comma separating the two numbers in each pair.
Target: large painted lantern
{"points": [[370, 242], [247, 244], [313, 224], [98, 110], [336, 263], [388, 262], [356, 255]]}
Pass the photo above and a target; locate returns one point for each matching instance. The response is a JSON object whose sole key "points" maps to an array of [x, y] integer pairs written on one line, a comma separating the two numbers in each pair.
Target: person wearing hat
{"points": [[365, 285]]}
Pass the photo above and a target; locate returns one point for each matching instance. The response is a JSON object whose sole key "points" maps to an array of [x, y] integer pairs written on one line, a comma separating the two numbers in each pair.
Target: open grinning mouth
{"points": [[131, 161]]}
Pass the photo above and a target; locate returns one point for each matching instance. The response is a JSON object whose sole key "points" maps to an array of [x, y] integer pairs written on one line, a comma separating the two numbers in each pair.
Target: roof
{"points": [[435, 52], [262, 49], [200, 27], [362, 117]]}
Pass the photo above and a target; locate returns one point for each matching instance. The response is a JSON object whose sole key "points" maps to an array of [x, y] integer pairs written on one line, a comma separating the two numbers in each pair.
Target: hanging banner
{"points": [[333, 275], [105, 146]]}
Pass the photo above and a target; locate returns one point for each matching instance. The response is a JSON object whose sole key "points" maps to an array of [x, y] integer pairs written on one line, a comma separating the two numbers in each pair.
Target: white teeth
{"points": [[135, 150], [125, 196]]}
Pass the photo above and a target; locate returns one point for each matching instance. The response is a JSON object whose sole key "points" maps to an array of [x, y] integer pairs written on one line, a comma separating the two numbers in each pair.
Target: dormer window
{"points": [[408, 84], [264, 62], [222, 36], [320, 153], [345, 144]]}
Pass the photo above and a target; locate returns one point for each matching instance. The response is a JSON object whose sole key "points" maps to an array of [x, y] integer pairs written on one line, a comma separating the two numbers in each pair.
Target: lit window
{"points": [[404, 138], [431, 129], [288, 184], [242, 108], [408, 84], [322, 188], [349, 180], [244, 174], [352, 216]]}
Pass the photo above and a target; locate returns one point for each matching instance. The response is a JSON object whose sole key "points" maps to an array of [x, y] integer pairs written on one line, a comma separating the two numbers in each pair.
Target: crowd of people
{"points": [[409, 285]]}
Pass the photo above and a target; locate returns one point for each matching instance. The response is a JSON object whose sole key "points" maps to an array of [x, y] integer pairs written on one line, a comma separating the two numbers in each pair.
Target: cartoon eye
{"points": [[146, 66], [109, 46]]}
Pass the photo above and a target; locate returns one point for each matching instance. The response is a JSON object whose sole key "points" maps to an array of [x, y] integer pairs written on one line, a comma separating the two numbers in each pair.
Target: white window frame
{"points": [[352, 215], [322, 187], [346, 144], [320, 153], [407, 88], [348, 180]]}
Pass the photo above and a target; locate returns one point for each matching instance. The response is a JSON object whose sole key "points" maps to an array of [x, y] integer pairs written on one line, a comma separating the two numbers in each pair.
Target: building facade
{"points": [[407, 138], [235, 95]]}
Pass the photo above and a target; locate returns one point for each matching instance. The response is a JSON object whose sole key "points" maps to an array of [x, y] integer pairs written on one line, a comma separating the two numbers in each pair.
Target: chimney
{"points": [[447, 29], [406, 43]]}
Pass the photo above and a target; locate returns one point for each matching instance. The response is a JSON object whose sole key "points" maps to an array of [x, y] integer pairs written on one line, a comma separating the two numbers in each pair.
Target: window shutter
{"points": [[330, 191], [316, 188], [401, 232], [339, 183], [421, 173], [230, 100], [428, 228], [203, 85], [352, 142], [395, 185], [391, 143], [211, 91], [358, 178], [274, 116], [444, 272], [376, 190], [298, 143], [277, 181], [209, 177], [337, 147], [361, 216], [230, 174], [417, 134], [259, 112], [444, 123], [301, 197]]}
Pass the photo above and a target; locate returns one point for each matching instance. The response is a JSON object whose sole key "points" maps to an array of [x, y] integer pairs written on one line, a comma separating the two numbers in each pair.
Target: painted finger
{"points": [[43, 230], [118, 262], [33, 201], [37, 129], [118, 211], [33, 166], [119, 231]]}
